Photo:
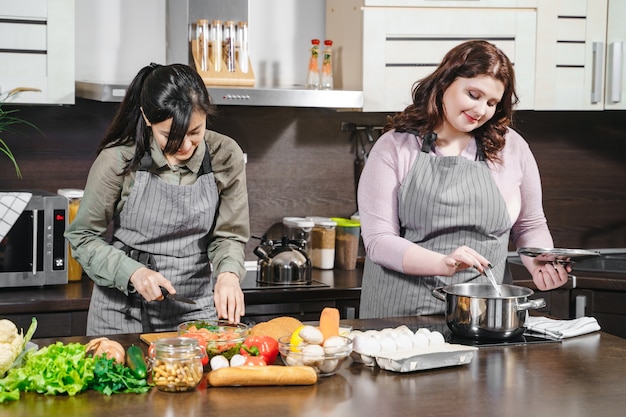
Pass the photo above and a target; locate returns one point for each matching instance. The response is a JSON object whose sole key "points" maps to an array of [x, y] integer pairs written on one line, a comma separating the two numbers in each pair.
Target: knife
{"points": [[176, 297]]}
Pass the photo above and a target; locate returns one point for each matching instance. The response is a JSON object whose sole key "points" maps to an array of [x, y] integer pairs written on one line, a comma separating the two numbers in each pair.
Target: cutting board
{"points": [[153, 337]]}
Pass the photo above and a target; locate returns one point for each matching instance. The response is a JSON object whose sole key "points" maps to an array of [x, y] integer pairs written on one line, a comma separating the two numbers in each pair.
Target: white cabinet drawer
{"points": [[24, 9], [397, 52], [23, 36]]}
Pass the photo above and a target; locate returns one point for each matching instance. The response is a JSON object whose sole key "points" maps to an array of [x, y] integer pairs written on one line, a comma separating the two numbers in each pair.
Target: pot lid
{"points": [[558, 254]]}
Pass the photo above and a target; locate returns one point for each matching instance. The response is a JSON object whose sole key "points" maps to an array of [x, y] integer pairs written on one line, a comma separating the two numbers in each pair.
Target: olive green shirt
{"points": [[106, 192]]}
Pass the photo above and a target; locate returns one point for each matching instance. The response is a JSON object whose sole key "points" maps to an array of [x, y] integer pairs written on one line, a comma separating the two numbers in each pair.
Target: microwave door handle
{"points": [[35, 227]]}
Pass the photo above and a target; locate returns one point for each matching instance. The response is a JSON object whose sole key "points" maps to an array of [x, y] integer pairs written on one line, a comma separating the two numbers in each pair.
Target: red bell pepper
{"points": [[264, 346]]}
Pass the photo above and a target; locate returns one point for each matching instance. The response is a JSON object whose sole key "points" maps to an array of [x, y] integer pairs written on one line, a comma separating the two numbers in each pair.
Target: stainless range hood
{"points": [[242, 96], [178, 15]]}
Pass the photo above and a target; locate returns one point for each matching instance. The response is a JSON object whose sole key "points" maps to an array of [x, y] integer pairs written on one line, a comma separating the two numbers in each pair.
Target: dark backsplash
{"points": [[300, 162]]}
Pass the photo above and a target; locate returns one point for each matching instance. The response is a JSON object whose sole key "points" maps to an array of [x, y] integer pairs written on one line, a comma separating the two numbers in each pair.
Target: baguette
{"points": [[262, 375]]}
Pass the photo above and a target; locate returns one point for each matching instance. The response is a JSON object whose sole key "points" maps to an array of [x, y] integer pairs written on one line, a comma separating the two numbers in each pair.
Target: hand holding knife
{"points": [[176, 297]]}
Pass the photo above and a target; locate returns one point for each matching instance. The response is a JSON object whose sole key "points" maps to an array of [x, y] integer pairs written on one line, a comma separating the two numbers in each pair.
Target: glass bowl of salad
{"points": [[219, 337]]}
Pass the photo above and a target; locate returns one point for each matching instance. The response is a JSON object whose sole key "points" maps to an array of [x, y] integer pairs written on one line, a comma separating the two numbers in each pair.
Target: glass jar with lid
{"points": [[176, 363], [74, 197], [323, 242]]}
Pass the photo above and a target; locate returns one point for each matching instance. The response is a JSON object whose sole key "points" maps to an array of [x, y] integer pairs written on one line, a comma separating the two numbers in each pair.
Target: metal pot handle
{"points": [[439, 293], [531, 305]]}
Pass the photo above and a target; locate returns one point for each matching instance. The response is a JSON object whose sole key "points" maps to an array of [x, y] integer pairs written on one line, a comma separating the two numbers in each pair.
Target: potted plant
{"points": [[8, 120]]}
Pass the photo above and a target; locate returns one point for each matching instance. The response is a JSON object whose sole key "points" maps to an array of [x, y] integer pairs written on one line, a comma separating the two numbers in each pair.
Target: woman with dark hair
{"points": [[175, 193], [447, 185]]}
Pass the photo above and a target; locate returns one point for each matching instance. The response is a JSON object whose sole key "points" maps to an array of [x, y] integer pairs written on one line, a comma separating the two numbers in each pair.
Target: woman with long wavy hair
{"points": [[448, 186]]}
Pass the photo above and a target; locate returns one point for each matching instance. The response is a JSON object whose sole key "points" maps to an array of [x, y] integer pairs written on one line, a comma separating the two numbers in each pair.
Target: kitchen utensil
{"points": [[492, 280], [473, 311], [283, 261], [558, 254], [176, 297]]}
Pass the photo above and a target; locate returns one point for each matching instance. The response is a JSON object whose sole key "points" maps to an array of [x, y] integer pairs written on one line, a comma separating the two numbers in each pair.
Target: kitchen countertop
{"points": [[583, 376]]}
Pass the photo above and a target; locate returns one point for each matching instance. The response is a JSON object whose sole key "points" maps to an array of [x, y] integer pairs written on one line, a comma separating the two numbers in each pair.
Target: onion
{"points": [[107, 347]]}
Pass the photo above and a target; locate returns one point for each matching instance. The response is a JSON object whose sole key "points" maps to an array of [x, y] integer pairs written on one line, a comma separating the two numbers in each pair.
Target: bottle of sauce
{"points": [[327, 66], [313, 73]]}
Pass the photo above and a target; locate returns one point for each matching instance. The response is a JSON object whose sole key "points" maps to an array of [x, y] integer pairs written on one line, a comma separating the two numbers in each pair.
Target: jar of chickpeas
{"points": [[176, 363]]}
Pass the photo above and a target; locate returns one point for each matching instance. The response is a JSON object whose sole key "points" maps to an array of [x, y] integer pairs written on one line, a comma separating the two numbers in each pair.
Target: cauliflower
{"points": [[11, 344]]}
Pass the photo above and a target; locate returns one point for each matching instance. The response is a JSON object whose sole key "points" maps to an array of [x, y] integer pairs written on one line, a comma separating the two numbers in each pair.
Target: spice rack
{"points": [[223, 77]]}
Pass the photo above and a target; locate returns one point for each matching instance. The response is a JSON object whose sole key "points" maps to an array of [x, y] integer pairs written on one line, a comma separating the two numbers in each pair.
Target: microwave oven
{"points": [[34, 251]]}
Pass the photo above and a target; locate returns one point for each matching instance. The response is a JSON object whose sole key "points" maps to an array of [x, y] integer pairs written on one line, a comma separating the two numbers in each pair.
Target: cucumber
{"points": [[136, 362]]}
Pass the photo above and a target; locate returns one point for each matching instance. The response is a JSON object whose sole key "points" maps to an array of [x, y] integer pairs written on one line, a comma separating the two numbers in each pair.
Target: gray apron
{"points": [[444, 203], [166, 227]]}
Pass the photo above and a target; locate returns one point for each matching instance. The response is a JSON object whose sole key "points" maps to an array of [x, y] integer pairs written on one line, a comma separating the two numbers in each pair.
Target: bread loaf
{"points": [[276, 327], [262, 375]]}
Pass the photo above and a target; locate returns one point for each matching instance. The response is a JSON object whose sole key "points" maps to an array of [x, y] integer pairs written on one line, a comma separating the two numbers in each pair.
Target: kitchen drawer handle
{"points": [[35, 228], [596, 80], [614, 82]]}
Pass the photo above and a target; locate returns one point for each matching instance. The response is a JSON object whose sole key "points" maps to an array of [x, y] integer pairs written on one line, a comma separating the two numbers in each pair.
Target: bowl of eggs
{"points": [[308, 347]]}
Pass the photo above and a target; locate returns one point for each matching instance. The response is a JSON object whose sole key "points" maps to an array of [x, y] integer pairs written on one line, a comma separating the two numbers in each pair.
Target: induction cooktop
{"points": [[525, 339], [250, 283]]}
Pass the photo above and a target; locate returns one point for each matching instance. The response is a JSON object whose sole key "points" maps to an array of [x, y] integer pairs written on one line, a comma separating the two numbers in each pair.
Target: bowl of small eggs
{"points": [[308, 347]]}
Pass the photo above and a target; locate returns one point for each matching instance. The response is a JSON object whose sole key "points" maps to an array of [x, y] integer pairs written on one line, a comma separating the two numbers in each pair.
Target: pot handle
{"points": [[439, 293], [531, 305]]}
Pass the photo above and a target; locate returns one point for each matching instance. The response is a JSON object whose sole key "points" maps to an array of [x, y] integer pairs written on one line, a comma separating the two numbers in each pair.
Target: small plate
{"points": [[558, 254]]}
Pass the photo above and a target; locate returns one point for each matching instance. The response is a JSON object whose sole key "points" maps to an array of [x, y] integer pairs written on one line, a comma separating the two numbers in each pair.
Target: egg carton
{"points": [[421, 355]]}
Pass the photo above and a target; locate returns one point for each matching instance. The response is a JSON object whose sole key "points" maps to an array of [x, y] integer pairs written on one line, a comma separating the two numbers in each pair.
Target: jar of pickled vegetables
{"points": [[176, 363]]}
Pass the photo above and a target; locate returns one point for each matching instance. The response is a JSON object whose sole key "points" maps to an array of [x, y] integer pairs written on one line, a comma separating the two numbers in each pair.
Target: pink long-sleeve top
{"points": [[391, 158]]}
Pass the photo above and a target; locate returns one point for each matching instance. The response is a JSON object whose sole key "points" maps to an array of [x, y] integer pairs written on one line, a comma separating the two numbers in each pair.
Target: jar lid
{"points": [[298, 222], [322, 221], [71, 192], [346, 222]]}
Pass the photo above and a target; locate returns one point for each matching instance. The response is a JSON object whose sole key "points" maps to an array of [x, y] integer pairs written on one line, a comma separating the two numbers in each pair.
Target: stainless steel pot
{"points": [[283, 262], [475, 311]]}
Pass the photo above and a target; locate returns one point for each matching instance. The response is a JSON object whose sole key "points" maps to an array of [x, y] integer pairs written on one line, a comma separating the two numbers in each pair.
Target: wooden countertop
{"points": [[582, 376]]}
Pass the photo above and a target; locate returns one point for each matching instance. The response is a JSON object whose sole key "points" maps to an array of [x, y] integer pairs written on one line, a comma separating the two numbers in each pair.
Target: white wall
{"points": [[280, 38]]}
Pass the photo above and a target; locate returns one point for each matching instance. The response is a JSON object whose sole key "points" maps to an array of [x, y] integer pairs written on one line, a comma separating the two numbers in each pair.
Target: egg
{"points": [[388, 344], [420, 340], [311, 354], [311, 335], [404, 342], [327, 365], [334, 344], [436, 339], [219, 361], [423, 330], [403, 330], [366, 345]]}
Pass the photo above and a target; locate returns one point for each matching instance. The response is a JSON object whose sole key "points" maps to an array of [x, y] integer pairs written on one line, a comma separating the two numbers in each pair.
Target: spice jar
{"points": [[74, 196], [346, 242], [323, 242], [176, 363]]}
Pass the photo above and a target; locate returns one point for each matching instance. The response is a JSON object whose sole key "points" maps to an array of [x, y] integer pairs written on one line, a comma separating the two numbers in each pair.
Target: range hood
{"points": [[242, 96], [124, 46]]}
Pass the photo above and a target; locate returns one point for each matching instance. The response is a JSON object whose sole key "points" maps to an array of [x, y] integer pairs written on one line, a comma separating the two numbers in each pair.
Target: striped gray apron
{"points": [[444, 203], [167, 226]]}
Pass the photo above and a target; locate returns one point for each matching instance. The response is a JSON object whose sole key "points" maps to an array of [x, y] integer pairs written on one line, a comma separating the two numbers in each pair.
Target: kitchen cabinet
{"points": [[384, 47], [580, 55], [37, 50]]}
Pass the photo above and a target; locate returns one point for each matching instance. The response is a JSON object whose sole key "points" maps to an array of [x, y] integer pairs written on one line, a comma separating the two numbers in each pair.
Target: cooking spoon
{"points": [[492, 280]]}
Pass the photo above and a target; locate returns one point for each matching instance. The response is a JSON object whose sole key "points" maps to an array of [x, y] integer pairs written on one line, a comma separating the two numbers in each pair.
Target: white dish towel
{"points": [[11, 206], [561, 329]]}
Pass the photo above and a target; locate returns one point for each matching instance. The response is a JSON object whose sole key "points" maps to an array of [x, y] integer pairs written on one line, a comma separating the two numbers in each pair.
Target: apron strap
{"points": [[148, 260]]}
